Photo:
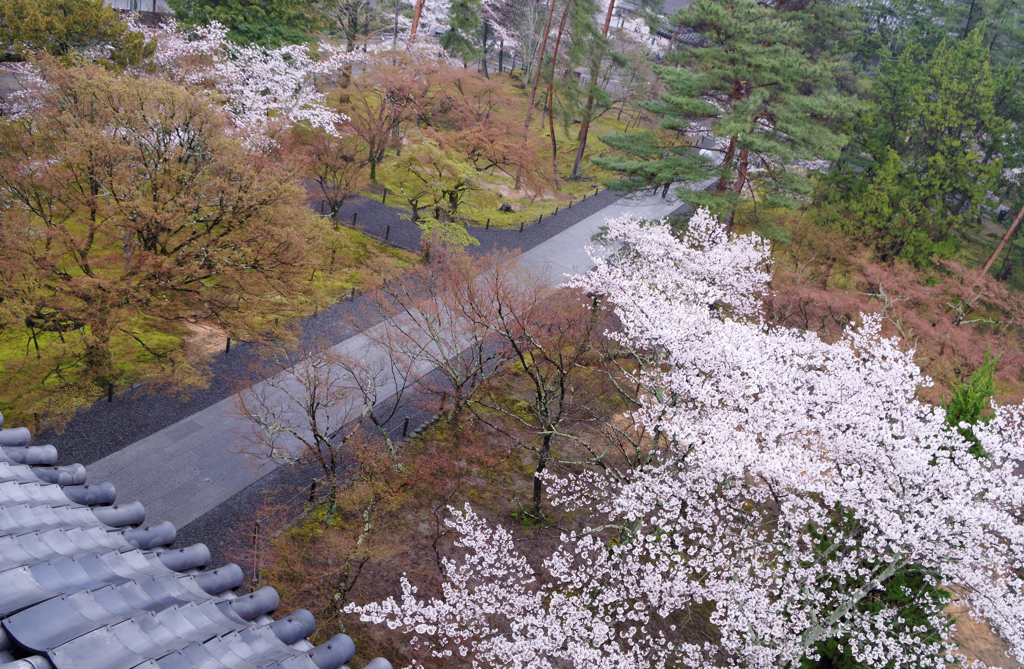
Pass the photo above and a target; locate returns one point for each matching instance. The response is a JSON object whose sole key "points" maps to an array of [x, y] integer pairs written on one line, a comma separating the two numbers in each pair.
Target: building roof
{"points": [[671, 6], [144, 6], [84, 586], [684, 35]]}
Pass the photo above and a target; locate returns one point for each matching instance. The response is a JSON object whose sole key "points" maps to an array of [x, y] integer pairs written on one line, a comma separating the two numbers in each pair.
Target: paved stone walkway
{"points": [[183, 471]]}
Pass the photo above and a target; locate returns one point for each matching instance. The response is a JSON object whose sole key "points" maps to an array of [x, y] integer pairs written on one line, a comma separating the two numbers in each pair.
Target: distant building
{"points": [[158, 6], [672, 5], [625, 10]]}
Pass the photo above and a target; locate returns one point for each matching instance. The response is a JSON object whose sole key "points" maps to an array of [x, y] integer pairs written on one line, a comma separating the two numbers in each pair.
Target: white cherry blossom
{"points": [[796, 477]]}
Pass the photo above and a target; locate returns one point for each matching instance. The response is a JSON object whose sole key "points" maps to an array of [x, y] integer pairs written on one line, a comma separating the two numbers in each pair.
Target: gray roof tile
{"points": [[81, 588]]}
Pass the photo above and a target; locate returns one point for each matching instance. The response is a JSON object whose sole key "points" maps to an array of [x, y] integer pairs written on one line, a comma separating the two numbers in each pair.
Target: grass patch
{"points": [[479, 207]]}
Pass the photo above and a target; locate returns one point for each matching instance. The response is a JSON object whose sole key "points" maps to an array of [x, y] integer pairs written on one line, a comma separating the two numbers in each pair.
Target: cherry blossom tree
{"points": [[801, 481], [435, 17], [264, 91], [21, 102]]}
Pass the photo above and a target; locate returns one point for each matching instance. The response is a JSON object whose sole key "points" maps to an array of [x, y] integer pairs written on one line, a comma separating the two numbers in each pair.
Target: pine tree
{"points": [[878, 210], [748, 97], [592, 50], [460, 40], [969, 402], [938, 115], [892, 26], [267, 23]]}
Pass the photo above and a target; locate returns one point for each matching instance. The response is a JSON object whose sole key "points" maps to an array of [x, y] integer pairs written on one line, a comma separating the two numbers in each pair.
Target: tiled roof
{"points": [[684, 34], [83, 586]]}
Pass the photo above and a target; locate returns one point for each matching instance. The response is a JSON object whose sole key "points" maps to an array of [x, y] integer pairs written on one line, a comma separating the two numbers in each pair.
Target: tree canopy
{"points": [[751, 101], [925, 158], [127, 198], [66, 28], [268, 23], [798, 499]]}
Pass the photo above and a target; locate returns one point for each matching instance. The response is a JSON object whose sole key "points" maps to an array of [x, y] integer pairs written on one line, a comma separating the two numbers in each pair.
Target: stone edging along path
{"points": [[180, 456]]}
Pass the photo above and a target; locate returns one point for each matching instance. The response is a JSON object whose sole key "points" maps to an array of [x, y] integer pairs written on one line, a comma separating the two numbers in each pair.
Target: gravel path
{"points": [[380, 221], [106, 428]]}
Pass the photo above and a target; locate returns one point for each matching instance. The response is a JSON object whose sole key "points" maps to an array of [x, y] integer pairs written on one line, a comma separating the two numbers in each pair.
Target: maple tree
{"points": [[426, 318], [471, 115], [323, 566], [386, 95], [466, 317], [549, 338], [337, 167], [437, 184], [801, 485], [319, 562], [951, 314], [313, 398], [128, 197]]}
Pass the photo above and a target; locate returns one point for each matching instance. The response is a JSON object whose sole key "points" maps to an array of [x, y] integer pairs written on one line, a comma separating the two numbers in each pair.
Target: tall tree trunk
{"points": [[538, 484], [741, 172], [98, 360], [366, 28], [394, 38], [483, 51], [346, 69], [739, 91], [577, 166], [672, 44], [415, 20], [551, 96], [536, 82], [332, 498], [1002, 242], [970, 14], [723, 182]]}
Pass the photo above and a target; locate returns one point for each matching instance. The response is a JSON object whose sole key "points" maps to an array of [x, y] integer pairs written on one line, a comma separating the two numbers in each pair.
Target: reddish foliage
{"points": [[389, 521], [472, 115], [388, 93], [951, 316], [337, 165]]}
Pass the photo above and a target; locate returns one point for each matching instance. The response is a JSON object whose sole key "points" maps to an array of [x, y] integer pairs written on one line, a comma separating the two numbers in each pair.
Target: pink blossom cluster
{"points": [[436, 16], [263, 90], [28, 97], [792, 478]]}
